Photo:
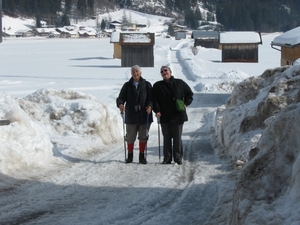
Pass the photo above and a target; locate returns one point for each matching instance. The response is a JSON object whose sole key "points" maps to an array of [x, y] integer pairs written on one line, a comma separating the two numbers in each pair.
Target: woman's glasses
{"points": [[165, 70]]}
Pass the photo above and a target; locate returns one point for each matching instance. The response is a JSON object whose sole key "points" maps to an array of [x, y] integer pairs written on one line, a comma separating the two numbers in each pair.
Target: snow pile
{"points": [[260, 126], [41, 119], [208, 80], [24, 143]]}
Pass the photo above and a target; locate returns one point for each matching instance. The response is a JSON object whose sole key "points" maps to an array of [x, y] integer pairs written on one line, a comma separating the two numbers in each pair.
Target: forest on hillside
{"points": [[251, 15], [258, 15]]}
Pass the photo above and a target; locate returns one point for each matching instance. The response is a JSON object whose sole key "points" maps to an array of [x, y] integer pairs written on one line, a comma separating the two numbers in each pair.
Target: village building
{"points": [[240, 46], [115, 25], [289, 42], [115, 40], [180, 34], [44, 32], [24, 33], [179, 31], [137, 49], [206, 39], [87, 32], [68, 32], [53, 34], [140, 25]]}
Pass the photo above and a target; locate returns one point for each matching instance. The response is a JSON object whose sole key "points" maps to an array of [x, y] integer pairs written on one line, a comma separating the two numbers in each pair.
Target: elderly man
{"points": [[136, 101], [171, 97]]}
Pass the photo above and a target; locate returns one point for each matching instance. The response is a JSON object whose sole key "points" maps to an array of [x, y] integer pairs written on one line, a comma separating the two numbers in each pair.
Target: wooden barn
{"points": [[137, 49], [207, 39], [115, 40], [290, 46], [240, 46]]}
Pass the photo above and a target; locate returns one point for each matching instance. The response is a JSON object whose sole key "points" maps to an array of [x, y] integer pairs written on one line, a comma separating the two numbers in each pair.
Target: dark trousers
{"points": [[172, 141]]}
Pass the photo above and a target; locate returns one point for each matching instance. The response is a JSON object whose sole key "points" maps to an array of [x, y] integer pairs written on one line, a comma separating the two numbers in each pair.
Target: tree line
{"points": [[258, 15], [49, 10], [251, 15]]}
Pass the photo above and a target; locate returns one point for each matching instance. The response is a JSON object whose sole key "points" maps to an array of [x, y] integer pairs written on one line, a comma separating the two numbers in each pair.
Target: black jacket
{"points": [[165, 95], [136, 101]]}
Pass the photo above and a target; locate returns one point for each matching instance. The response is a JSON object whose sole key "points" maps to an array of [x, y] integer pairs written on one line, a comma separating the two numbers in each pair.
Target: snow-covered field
{"points": [[62, 156]]}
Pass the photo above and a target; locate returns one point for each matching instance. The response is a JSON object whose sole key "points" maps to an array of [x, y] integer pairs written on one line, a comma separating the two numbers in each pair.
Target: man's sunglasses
{"points": [[165, 70]]}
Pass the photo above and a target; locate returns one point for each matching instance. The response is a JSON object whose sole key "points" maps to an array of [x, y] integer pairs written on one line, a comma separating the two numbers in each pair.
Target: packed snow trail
{"points": [[99, 188], [105, 190]]}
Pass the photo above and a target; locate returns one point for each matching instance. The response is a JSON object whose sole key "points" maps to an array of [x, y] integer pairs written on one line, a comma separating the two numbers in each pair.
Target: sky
{"points": [[62, 156]]}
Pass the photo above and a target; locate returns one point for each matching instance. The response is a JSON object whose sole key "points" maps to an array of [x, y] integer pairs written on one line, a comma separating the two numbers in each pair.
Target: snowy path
{"points": [[89, 190], [102, 189]]}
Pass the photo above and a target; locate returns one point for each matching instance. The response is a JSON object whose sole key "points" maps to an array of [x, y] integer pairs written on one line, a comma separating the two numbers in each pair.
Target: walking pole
{"points": [[158, 122], [147, 133], [122, 114]]}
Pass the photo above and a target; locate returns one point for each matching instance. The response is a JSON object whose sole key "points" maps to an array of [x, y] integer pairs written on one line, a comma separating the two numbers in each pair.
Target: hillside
{"points": [[257, 15]]}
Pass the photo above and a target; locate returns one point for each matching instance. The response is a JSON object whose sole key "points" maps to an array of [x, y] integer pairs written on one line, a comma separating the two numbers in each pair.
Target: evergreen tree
{"points": [[82, 7], [68, 6], [190, 20], [103, 24], [90, 5], [171, 30], [38, 21], [65, 21]]}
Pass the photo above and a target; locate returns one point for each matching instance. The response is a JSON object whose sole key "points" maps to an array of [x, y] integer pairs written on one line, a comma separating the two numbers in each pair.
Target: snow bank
{"points": [[43, 121], [24, 144], [260, 125]]}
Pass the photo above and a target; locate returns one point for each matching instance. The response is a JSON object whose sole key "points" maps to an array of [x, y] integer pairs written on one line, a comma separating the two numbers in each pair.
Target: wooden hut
{"points": [[207, 39], [180, 34], [240, 46], [290, 46], [137, 49], [115, 40]]}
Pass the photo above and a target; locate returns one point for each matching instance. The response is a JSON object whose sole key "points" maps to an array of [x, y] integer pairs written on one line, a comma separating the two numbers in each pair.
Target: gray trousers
{"points": [[132, 130], [172, 148]]}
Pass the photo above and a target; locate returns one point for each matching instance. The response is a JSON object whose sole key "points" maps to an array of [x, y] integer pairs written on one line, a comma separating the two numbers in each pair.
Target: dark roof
{"points": [[201, 34]]}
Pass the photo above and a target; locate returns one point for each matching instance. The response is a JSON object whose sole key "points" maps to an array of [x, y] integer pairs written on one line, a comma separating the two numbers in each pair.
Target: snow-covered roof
{"points": [[240, 37], [136, 38], [89, 31], [115, 37], [289, 38], [45, 29], [23, 31]]}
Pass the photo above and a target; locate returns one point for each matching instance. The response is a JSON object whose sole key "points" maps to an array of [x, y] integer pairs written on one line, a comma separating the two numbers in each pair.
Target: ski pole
{"points": [[158, 122], [122, 115]]}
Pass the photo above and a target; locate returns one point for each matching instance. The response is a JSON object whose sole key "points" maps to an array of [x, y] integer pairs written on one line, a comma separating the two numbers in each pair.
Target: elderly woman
{"points": [[136, 101]]}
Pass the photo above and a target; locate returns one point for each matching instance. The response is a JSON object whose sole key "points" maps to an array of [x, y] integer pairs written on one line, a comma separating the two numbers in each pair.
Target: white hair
{"points": [[136, 67]]}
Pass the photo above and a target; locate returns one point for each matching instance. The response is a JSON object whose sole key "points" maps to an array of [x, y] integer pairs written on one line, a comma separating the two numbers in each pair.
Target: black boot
{"points": [[130, 157], [142, 159]]}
